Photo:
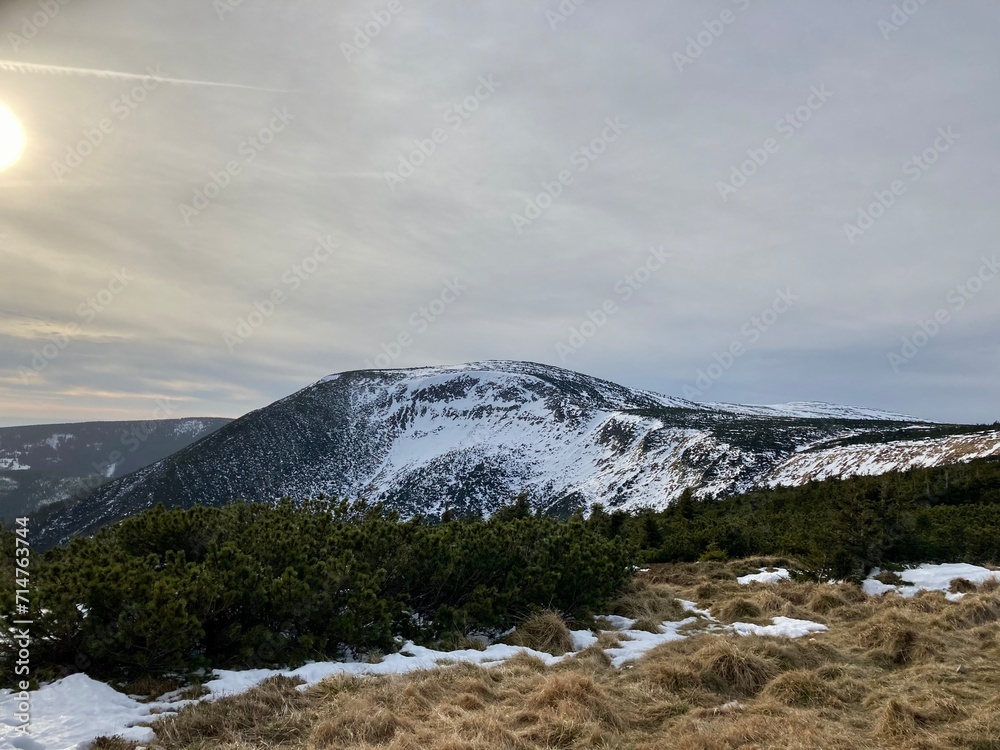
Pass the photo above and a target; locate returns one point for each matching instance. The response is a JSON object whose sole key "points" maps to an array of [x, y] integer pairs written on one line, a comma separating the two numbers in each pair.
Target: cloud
{"points": [[657, 185], [152, 75]]}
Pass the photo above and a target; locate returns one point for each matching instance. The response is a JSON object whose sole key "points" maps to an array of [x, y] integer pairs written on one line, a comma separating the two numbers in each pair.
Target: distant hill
{"points": [[45, 464], [469, 437]]}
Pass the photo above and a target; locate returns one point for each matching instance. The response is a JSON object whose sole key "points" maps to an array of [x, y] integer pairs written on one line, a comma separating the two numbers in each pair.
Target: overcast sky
{"points": [[745, 140]]}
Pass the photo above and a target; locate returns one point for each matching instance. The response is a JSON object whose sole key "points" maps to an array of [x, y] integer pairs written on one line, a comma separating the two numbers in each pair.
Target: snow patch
{"points": [[72, 712], [56, 440], [781, 627], [930, 577], [774, 575], [876, 459], [190, 427]]}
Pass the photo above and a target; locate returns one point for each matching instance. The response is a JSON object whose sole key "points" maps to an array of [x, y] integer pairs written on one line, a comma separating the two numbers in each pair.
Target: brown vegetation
{"points": [[543, 631], [909, 674]]}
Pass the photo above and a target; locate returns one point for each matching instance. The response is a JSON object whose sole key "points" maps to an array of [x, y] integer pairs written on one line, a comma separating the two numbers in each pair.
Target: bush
{"points": [[837, 529], [254, 585]]}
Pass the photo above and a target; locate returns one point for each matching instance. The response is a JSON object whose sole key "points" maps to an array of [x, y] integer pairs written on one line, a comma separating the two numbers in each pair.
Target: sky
{"points": [[217, 204]]}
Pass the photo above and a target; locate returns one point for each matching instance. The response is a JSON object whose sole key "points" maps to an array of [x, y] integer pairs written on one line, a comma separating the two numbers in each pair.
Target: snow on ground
{"points": [[873, 460], [815, 410], [772, 575], [642, 642], [931, 578], [190, 427], [410, 658], [782, 627], [71, 713]]}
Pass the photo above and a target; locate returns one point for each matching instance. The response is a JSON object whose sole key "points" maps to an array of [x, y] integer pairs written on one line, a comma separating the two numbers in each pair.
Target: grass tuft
{"points": [[115, 743], [357, 723], [801, 689], [732, 668], [897, 720], [544, 631], [961, 586], [273, 712], [896, 638], [649, 602], [825, 601], [738, 610]]}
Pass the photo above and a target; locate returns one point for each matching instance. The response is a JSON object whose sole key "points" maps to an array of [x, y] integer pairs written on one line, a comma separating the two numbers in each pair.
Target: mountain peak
{"points": [[469, 437]]}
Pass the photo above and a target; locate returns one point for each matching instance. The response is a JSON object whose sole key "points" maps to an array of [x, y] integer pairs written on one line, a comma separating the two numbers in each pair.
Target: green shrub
{"points": [[254, 585]]}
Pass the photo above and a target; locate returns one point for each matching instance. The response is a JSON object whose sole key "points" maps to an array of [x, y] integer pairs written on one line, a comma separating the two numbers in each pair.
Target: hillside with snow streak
{"points": [[470, 437]]}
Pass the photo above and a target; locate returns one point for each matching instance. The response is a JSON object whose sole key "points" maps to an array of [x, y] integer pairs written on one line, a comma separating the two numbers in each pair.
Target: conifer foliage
{"points": [[837, 528], [259, 585]]}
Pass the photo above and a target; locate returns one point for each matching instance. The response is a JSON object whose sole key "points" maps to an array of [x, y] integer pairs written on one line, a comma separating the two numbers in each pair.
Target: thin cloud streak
{"points": [[13, 66]]}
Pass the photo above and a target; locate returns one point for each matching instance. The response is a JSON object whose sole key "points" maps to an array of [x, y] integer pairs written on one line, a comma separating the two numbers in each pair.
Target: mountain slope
{"points": [[470, 437], [45, 464]]}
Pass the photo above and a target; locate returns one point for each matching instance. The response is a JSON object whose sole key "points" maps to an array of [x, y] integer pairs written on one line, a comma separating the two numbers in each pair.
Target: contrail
{"points": [[11, 66]]}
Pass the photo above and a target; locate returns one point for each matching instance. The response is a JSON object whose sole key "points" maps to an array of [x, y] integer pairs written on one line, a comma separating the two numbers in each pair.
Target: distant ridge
{"points": [[469, 437], [45, 464]]}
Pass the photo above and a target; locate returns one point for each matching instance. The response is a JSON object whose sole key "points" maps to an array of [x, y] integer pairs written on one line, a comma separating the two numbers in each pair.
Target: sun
{"points": [[11, 138]]}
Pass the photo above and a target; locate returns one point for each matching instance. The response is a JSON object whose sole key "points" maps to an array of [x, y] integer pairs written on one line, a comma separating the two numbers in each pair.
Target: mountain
{"points": [[470, 437], [45, 464]]}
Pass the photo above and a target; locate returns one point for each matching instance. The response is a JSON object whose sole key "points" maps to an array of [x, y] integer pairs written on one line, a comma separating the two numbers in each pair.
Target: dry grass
{"points": [[543, 631], [151, 688], [802, 688], [739, 610], [962, 586], [733, 669], [649, 603], [990, 585], [270, 715], [913, 674], [114, 743]]}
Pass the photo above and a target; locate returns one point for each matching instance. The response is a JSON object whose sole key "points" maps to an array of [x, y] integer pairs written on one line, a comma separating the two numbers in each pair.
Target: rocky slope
{"points": [[470, 437]]}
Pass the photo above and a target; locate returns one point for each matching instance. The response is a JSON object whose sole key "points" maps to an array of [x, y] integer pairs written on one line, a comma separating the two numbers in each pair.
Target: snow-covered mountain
{"points": [[45, 464], [470, 437]]}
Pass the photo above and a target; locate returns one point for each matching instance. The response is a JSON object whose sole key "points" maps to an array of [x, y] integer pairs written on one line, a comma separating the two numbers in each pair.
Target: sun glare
{"points": [[11, 138]]}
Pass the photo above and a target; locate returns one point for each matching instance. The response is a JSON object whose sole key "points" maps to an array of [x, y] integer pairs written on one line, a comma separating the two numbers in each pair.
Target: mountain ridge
{"points": [[469, 437], [48, 463]]}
